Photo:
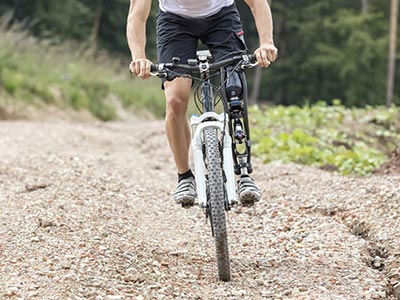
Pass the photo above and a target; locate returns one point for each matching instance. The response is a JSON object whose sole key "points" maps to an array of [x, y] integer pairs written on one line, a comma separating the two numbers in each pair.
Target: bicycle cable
{"points": [[215, 88]]}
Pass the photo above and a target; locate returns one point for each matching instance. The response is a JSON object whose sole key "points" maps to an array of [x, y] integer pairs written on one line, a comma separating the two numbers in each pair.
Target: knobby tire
{"points": [[216, 202]]}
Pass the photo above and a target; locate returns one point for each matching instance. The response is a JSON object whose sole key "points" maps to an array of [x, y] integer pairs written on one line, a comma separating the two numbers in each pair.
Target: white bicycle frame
{"points": [[198, 126]]}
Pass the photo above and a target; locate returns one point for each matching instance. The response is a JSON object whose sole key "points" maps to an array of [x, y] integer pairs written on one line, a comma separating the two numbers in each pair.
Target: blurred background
{"points": [[335, 68]]}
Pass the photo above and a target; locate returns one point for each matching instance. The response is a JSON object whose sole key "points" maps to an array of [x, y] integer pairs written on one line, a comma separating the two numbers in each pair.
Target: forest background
{"points": [[327, 49]]}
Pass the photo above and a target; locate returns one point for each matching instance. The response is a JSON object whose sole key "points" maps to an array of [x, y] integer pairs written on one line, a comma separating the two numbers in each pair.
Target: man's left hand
{"points": [[266, 54]]}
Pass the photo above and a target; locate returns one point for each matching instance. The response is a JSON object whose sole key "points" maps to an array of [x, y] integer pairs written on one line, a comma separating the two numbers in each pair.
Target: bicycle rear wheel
{"points": [[216, 202]]}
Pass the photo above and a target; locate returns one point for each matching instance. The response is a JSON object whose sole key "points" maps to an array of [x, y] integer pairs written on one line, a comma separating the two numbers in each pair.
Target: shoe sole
{"points": [[248, 198], [186, 202]]}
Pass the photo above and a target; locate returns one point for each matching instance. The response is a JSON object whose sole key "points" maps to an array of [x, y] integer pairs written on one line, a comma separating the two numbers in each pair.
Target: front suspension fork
{"points": [[199, 124]]}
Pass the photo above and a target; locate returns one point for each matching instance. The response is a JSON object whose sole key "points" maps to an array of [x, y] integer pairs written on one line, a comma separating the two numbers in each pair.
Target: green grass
{"points": [[38, 72], [349, 140]]}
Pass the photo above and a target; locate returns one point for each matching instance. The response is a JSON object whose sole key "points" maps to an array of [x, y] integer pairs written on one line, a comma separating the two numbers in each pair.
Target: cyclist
{"points": [[180, 25]]}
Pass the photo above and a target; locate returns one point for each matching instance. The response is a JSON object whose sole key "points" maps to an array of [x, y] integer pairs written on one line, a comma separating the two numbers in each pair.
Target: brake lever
{"points": [[158, 74], [247, 62], [248, 65]]}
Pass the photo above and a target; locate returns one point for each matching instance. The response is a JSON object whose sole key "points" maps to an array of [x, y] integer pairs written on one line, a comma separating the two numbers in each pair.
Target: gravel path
{"points": [[86, 213]]}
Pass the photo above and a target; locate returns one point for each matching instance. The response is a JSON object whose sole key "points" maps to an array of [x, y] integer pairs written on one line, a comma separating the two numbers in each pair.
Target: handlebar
{"points": [[248, 61]]}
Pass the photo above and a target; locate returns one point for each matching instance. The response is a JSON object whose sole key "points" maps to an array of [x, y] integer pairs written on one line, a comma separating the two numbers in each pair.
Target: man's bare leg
{"points": [[177, 93]]}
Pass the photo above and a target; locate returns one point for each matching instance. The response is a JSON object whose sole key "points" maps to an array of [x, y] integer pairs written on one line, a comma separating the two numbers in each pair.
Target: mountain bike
{"points": [[221, 142]]}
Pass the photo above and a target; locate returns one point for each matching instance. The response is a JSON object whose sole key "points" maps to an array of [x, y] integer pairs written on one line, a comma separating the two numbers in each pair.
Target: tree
{"points": [[257, 80], [327, 49], [96, 25], [392, 52], [364, 6]]}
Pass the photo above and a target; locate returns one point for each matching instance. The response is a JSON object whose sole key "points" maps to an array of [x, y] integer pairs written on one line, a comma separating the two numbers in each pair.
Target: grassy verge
{"points": [[333, 137], [37, 73]]}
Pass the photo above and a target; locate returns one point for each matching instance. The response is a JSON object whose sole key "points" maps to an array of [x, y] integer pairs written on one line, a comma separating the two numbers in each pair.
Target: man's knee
{"points": [[176, 105], [177, 93]]}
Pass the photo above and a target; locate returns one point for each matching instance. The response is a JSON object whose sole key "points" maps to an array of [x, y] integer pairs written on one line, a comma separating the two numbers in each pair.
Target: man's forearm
{"points": [[136, 27], [136, 35], [263, 18]]}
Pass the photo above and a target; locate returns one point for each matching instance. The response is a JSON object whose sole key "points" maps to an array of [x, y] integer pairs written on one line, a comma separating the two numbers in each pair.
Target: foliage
{"points": [[327, 49], [348, 140], [38, 72]]}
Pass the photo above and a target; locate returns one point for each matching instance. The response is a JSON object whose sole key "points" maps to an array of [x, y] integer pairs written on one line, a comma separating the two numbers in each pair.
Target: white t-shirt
{"points": [[194, 8]]}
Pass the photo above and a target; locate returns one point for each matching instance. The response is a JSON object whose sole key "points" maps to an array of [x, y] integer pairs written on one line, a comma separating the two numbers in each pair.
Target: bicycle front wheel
{"points": [[216, 202]]}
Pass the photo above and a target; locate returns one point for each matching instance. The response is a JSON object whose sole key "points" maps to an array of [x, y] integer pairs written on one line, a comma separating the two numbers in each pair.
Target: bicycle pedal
{"points": [[248, 203], [187, 205]]}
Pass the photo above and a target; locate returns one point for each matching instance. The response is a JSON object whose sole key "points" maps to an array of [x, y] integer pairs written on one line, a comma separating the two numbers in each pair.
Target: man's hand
{"points": [[266, 54], [140, 67]]}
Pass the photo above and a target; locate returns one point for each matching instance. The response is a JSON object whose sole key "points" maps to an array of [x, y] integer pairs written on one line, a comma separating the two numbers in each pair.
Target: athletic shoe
{"points": [[185, 193], [248, 191]]}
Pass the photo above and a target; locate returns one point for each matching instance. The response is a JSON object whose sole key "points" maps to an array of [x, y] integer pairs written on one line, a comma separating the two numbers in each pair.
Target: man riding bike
{"points": [[180, 25]]}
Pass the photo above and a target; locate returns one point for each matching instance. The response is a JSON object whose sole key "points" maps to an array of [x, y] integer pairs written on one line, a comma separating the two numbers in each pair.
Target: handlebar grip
{"points": [[153, 68], [252, 58]]}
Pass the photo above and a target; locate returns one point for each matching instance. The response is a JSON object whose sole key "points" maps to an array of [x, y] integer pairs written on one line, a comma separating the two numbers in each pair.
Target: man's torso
{"points": [[194, 8]]}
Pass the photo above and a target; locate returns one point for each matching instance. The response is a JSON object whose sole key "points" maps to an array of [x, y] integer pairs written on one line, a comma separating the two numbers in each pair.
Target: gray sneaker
{"points": [[248, 191], [185, 193]]}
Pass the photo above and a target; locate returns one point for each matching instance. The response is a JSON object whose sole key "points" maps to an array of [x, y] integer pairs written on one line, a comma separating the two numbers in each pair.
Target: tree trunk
{"points": [[256, 86], [364, 6], [17, 8], [257, 81], [392, 52], [96, 26]]}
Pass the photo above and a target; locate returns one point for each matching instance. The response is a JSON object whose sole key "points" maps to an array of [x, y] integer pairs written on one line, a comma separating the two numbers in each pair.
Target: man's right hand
{"points": [[140, 67]]}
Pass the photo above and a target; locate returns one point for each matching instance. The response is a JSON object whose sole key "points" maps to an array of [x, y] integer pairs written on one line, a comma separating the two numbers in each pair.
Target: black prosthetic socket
{"points": [[185, 175]]}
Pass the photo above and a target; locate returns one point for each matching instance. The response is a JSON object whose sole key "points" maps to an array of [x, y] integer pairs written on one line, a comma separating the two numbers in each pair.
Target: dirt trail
{"points": [[86, 213]]}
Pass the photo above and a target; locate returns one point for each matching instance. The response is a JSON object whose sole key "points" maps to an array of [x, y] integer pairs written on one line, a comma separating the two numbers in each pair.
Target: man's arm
{"points": [[267, 52], [139, 11]]}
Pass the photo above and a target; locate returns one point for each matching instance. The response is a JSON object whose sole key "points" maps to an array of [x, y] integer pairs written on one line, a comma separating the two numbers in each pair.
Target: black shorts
{"points": [[178, 36]]}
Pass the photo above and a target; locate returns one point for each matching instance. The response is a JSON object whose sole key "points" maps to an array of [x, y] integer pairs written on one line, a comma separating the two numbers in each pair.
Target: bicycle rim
{"points": [[216, 202]]}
